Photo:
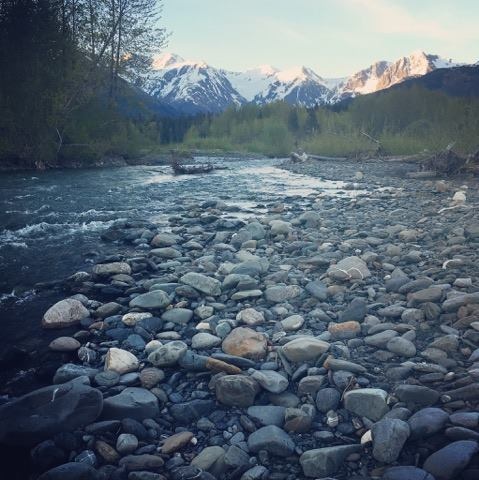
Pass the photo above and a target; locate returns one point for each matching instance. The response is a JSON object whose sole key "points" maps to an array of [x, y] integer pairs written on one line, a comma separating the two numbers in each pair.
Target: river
{"points": [[51, 221]]}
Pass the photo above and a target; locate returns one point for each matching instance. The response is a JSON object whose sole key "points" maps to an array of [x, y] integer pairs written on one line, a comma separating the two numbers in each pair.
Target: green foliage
{"points": [[404, 120]]}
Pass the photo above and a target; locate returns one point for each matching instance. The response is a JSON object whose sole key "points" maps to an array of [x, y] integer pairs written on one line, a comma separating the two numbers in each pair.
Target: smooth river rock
{"points": [[64, 313]]}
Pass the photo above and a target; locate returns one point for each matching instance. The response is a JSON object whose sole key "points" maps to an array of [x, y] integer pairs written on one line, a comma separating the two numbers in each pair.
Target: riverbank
{"points": [[307, 335]]}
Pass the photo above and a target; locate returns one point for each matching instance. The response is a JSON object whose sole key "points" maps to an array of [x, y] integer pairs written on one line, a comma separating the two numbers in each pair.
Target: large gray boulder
{"points": [[43, 413], [136, 403]]}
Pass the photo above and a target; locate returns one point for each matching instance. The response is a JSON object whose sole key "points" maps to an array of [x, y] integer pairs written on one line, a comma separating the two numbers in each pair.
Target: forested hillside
{"points": [[406, 120], [67, 70]]}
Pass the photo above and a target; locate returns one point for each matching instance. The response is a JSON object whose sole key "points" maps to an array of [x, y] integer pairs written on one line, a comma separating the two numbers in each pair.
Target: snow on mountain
{"points": [[193, 87]]}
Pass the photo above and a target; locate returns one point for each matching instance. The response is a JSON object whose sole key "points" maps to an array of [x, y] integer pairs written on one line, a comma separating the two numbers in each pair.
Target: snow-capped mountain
{"points": [[193, 87]]}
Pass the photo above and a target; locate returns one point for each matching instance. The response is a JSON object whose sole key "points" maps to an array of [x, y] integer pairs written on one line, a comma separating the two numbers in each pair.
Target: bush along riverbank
{"points": [[332, 337]]}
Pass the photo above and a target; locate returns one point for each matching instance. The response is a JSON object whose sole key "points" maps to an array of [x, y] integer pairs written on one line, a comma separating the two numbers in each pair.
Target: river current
{"points": [[51, 222]]}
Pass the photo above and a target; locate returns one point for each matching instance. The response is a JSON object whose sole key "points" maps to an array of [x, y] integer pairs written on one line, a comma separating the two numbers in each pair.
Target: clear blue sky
{"points": [[334, 37]]}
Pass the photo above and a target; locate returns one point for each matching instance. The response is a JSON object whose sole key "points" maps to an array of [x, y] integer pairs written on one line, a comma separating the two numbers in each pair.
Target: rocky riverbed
{"points": [[332, 337]]}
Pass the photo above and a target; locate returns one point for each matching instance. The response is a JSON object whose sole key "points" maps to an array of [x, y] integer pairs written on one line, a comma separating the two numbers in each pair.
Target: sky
{"points": [[333, 37]]}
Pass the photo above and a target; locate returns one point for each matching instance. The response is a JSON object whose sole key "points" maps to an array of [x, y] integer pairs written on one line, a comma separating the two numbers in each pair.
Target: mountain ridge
{"points": [[192, 87]]}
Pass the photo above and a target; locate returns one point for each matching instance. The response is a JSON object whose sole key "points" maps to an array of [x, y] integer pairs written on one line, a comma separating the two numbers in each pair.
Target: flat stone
{"points": [[356, 311], [304, 349], [176, 442], [448, 462], [126, 443], [416, 395], [180, 316], [349, 268], [401, 346], [323, 462], [318, 290], [202, 283], [292, 323], [367, 402], [245, 342], [282, 293], [154, 300], [141, 462], [272, 439], [267, 414], [70, 371], [64, 313], [236, 390], [270, 380], [136, 403], [344, 330], [204, 340], [113, 268]]}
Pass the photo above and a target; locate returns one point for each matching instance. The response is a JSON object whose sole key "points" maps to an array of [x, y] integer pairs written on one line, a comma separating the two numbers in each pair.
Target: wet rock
{"points": [[401, 346], [448, 462], [204, 340], [292, 323], [202, 283], [389, 436], [245, 342], [64, 313], [323, 462], [64, 344], [267, 414], [349, 268], [282, 293], [50, 410], [236, 390], [304, 349], [250, 316], [168, 355], [270, 380], [317, 289], [121, 361], [180, 316], [427, 422], [154, 300], [416, 395], [136, 403], [208, 458], [406, 473], [141, 462], [188, 412], [126, 443], [113, 268], [367, 402], [272, 439], [356, 311], [176, 442], [150, 377], [164, 240], [72, 471], [327, 399]]}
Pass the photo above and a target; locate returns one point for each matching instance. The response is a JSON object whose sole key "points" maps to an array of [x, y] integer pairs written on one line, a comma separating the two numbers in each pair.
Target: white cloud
{"points": [[390, 17]]}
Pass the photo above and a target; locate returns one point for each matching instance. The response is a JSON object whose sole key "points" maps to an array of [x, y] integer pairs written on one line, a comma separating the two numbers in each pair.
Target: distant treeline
{"points": [[405, 120]]}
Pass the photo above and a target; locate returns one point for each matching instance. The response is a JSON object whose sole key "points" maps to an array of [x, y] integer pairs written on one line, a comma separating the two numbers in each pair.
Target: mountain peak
{"points": [[165, 60]]}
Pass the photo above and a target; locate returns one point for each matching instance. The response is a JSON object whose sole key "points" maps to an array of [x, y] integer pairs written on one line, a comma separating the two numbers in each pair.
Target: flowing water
{"points": [[50, 222]]}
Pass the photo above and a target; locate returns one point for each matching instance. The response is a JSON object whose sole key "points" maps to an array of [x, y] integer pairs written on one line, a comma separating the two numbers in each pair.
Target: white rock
{"points": [[292, 323], [132, 318], [64, 314], [152, 345], [250, 316], [304, 349], [121, 361], [114, 268], [459, 198], [280, 227]]}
